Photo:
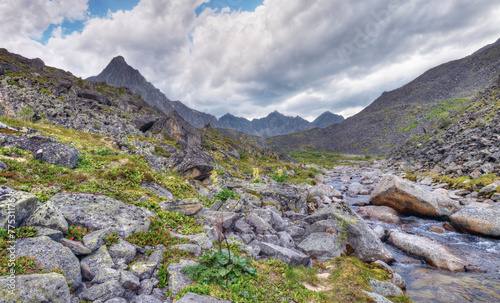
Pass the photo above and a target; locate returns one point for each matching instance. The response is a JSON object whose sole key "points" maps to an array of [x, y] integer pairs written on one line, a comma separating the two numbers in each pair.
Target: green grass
{"points": [[278, 282]]}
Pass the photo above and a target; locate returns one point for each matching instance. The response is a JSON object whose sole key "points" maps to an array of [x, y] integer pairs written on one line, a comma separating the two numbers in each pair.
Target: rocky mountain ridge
{"points": [[396, 115], [119, 73], [277, 124], [469, 146]]}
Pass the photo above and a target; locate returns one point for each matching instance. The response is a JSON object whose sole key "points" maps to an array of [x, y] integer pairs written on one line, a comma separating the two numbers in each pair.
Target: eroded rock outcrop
{"points": [[408, 198]]}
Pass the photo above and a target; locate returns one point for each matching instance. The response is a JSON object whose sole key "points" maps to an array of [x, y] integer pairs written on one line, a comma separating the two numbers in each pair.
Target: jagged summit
{"points": [[275, 123], [119, 73]]}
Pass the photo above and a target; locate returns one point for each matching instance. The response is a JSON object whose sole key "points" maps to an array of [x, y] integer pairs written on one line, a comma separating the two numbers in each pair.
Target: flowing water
{"points": [[429, 284]]}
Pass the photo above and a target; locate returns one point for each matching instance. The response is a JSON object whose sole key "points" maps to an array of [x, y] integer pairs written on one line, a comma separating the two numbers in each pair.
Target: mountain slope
{"points": [[326, 119], [469, 146], [277, 124], [411, 109], [119, 73]]}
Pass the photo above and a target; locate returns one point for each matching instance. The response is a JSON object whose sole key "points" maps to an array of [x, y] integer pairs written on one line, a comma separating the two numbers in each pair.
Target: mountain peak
{"points": [[119, 59]]}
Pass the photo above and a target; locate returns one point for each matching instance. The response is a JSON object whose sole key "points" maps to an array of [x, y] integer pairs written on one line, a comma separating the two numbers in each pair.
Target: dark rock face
{"points": [[44, 148], [195, 163], [174, 126], [277, 124], [378, 129], [119, 73]]}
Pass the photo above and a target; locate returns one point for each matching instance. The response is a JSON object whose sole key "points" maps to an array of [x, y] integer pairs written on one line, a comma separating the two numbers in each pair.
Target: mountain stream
{"points": [[426, 283]]}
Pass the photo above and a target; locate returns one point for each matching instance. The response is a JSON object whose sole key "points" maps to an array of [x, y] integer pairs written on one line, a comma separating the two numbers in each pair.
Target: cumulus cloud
{"points": [[300, 57]]}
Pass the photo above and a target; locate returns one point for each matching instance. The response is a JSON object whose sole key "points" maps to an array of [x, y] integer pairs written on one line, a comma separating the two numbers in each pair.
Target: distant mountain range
{"points": [[277, 124], [119, 73], [417, 108]]}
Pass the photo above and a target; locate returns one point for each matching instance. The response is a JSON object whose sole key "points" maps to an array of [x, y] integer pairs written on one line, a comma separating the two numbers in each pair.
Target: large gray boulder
{"points": [[408, 198], [96, 261], [192, 162], [52, 255], [103, 292], [191, 298], [385, 289], [51, 287], [94, 212], [478, 218], [433, 253], [45, 149], [379, 213], [323, 246], [367, 246], [176, 279], [122, 252], [287, 255], [287, 195], [20, 204], [48, 215]]}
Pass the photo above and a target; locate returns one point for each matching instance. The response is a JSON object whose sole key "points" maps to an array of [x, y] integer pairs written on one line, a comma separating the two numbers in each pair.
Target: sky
{"points": [[251, 57]]}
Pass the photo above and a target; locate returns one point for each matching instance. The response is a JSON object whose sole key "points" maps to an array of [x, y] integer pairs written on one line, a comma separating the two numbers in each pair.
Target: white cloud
{"points": [[300, 57]]}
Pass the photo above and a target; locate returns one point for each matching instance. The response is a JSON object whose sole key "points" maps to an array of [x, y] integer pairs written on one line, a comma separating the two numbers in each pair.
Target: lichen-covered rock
{"points": [[478, 218], [287, 255], [76, 247], [106, 274], [367, 246], [55, 235], [376, 297], [385, 289], [94, 240], [322, 245], [45, 149], [52, 255], [176, 279], [201, 240], [20, 204], [99, 212], [187, 207], [191, 248], [103, 292], [51, 287], [288, 196], [434, 253], [122, 252], [408, 198], [129, 280], [144, 269], [145, 299], [93, 263], [48, 215]]}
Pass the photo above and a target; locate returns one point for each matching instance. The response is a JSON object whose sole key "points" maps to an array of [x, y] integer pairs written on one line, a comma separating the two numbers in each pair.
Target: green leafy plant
{"points": [[111, 239], [76, 233], [226, 194], [220, 267], [279, 176]]}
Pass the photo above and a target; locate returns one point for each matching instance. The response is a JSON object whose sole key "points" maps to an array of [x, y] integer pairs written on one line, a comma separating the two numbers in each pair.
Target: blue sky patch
{"points": [[97, 8], [234, 5]]}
